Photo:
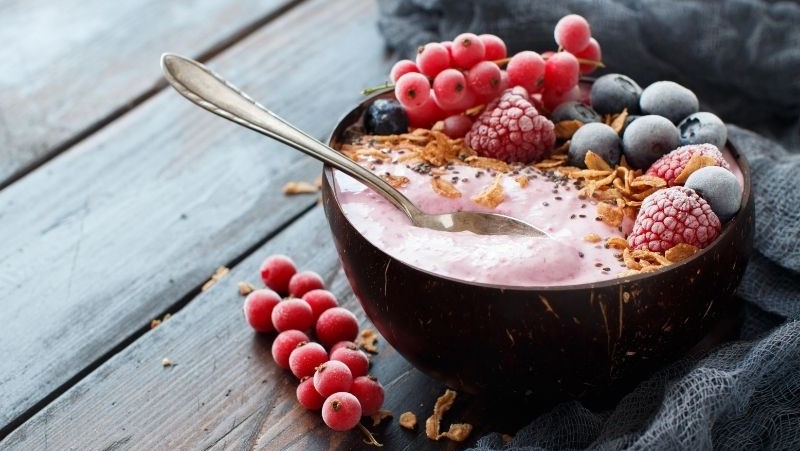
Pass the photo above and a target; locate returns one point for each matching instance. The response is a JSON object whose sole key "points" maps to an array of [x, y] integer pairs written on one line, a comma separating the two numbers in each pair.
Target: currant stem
{"points": [[370, 440], [368, 91]]}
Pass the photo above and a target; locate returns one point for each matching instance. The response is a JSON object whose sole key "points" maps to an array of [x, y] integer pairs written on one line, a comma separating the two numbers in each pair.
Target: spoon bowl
{"points": [[208, 90]]}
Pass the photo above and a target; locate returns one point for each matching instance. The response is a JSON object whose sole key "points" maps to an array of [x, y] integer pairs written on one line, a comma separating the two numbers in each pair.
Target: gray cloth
{"points": [[742, 58]]}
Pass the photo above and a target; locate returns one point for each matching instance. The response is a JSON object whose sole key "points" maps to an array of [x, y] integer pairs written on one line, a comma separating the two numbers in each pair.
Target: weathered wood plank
{"points": [[225, 392], [129, 222], [68, 66]]}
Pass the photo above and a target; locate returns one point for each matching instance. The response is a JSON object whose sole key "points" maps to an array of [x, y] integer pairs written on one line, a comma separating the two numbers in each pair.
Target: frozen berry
{"points": [[320, 300], [572, 33], [450, 87], [719, 187], [432, 58], [495, 48], [258, 307], [293, 314], [369, 393], [672, 164], [308, 396], [402, 67], [703, 127], [412, 90], [672, 216], [385, 117], [630, 118], [284, 344], [335, 325], [457, 125], [331, 377], [354, 358], [561, 72], [303, 282], [592, 52], [511, 129], [575, 111], [668, 99], [276, 271], [484, 79], [306, 357], [467, 50], [526, 69], [425, 115], [341, 411], [597, 137], [552, 99], [613, 93], [342, 344], [648, 138]]}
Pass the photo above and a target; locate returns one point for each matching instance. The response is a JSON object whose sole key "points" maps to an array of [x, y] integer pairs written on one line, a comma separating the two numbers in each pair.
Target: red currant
{"points": [[341, 411], [425, 115], [306, 357], [354, 358], [592, 53], [292, 313], [484, 79], [457, 126], [335, 325], [331, 377], [561, 72], [276, 272], [284, 344], [303, 282], [342, 344], [402, 67], [369, 393], [450, 87], [467, 50], [308, 396], [258, 307], [433, 58], [320, 300], [412, 90], [494, 46], [572, 33], [526, 69]]}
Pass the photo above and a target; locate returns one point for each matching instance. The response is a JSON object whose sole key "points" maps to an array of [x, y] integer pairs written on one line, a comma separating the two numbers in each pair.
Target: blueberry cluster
{"points": [[661, 117]]}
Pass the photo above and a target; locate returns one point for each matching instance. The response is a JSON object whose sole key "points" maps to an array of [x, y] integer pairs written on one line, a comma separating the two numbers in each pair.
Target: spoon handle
{"points": [[206, 89]]}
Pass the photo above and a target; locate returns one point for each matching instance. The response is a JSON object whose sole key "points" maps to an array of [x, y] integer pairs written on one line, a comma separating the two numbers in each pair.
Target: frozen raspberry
{"points": [[672, 164], [511, 129], [672, 216]]}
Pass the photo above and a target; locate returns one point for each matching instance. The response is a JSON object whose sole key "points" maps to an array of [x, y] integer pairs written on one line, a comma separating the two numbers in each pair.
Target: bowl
{"points": [[542, 343]]}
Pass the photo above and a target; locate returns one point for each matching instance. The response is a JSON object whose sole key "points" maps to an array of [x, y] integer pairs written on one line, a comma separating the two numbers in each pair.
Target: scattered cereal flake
{"points": [[367, 340], [218, 274], [443, 404], [292, 188], [245, 288], [488, 163], [695, 163], [522, 180], [397, 181], [166, 363], [680, 252], [157, 322], [630, 262], [650, 257], [617, 242], [589, 174], [648, 181], [379, 416], [618, 120], [549, 163], [610, 214], [408, 420], [565, 129], [458, 432], [595, 162], [592, 238], [444, 188], [492, 195]]}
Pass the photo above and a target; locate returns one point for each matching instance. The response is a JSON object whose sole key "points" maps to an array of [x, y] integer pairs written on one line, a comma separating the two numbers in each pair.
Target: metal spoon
{"points": [[205, 88]]}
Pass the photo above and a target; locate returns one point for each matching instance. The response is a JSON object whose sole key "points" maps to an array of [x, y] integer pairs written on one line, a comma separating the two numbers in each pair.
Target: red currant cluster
{"points": [[451, 77], [334, 380]]}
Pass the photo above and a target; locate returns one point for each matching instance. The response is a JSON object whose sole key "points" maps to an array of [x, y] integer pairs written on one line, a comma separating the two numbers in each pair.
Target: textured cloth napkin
{"points": [[742, 59]]}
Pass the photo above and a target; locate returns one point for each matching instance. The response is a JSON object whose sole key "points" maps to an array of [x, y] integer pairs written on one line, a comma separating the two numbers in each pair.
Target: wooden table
{"points": [[119, 199]]}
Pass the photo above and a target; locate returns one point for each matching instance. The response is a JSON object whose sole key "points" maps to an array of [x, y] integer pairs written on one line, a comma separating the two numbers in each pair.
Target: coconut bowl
{"points": [[542, 343]]}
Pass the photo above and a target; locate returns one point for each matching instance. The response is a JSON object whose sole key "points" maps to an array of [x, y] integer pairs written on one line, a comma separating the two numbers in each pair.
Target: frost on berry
{"points": [[341, 411]]}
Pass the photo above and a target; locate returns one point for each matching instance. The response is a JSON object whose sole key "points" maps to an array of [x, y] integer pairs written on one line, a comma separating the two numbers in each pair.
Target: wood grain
{"points": [[124, 226], [69, 66], [225, 392]]}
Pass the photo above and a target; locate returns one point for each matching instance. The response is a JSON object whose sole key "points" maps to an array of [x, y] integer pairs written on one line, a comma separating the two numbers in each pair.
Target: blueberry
{"points": [[668, 99], [613, 93], [701, 128], [385, 117], [597, 137], [719, 187], [628, 120], [647, 139], [574, 110]]}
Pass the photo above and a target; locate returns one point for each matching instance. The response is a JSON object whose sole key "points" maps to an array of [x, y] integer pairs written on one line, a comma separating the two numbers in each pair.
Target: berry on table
{"points": [[331, 377], [432, 58], [648, 138], [284, 344], [401, 68], [291, 314], [572, 33], [561, 72], [592, 52], [467, 50], [597, 137], [342, 344], [494, 47], [308, 396], [350, 355], [276, 271], [335, 325], [303, 282], [341, 411], [450, 87], [484, 79], [511, 129], [412, 90], [672, 164], [369, 393], [668, 99], [258, 307], [385, 117], [320, 300], [306, 357], [575, 110], [672, 216], [703, 127], [526, 69], [719, 187], [613, 93]]}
